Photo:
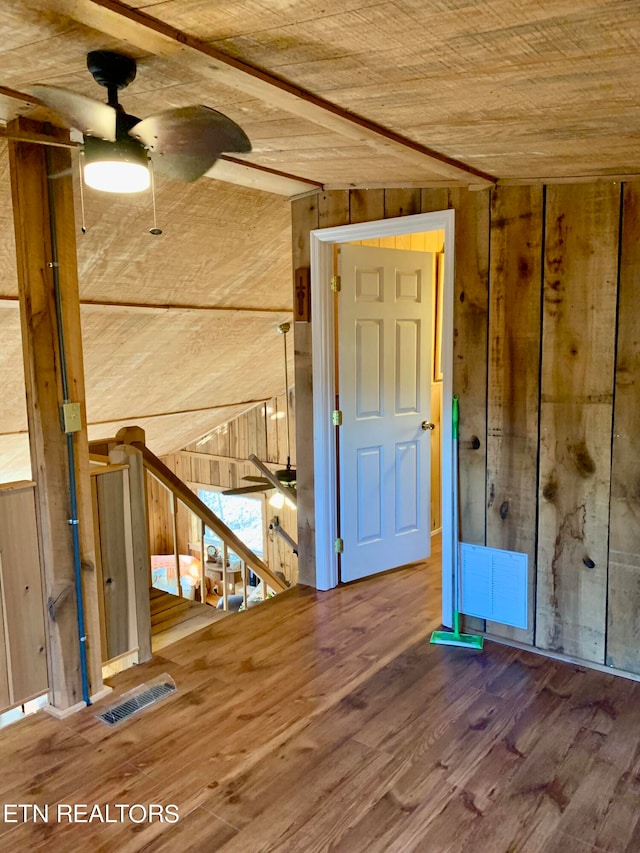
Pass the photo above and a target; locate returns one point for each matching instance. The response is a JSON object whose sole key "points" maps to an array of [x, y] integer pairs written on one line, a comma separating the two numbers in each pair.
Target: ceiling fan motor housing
{"points": [[111, 69]]}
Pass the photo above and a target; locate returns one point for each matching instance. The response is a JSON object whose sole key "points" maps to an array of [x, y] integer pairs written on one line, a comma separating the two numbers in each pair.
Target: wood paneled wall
{"points": [[23, 661], [547, 366], [122, 555], [220, 459]]}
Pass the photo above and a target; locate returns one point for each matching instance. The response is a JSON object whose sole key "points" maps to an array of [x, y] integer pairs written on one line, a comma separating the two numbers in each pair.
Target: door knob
{"points": [[427, 425]]}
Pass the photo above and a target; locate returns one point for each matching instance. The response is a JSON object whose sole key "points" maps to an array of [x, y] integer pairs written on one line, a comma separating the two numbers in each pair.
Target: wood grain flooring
{"points": [[326, 721]]}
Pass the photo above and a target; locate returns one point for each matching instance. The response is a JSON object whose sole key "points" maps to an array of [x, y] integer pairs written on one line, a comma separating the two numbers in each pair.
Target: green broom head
{"points": [[453, 638]]}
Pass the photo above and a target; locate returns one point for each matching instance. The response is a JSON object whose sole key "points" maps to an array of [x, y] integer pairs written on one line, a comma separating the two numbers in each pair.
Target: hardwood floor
{"points": [[173, 618], [326, 721]]}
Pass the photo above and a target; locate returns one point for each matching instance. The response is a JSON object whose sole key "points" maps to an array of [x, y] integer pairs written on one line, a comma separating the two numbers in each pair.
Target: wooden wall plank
{"points": [[401, 202], [470, 321], [580, 289], [365, 206], [22, 580], [305, 218], [623, 634], [182, 468], [160, 530], [432, 200], [333, 208], [273, 450], [114, 557], [137, 530], [5, 688], [513, 380]]}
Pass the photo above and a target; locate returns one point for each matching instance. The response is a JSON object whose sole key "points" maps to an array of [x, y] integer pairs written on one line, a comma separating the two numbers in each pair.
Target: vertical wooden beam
{"points": [[31, 191], [244, 584], [225, 577], [176, 545], [203, 557], [514, 367], [623, 617], [99, 573], [579, 315], [304, 213]]}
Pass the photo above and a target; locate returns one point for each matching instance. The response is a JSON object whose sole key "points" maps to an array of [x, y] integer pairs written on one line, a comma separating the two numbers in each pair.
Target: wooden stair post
{"points": [[32, 190]]}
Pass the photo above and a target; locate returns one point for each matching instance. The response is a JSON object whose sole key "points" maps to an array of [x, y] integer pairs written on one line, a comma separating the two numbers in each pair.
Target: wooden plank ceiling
{"points": [[500, 88]]}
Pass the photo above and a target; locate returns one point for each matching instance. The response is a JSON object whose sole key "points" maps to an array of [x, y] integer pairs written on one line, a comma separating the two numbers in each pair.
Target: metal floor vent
{"points": [[138, 699]]}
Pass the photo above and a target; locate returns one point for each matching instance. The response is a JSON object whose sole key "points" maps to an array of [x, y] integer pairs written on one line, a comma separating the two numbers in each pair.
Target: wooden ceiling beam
{"points": [[259, 177], [148, 33], [163, 308], [181, 412]]}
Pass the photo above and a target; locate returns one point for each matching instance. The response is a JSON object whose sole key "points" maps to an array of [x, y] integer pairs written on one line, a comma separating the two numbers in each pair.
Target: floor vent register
{"points": [[138, 699]]}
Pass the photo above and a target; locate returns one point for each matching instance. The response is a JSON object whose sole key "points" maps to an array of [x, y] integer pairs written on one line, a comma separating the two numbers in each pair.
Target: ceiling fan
{"points": [[180, 143], [285, 476]]}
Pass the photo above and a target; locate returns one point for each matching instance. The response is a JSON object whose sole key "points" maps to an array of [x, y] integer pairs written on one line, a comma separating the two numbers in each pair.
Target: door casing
{"points": [[323, 354]]}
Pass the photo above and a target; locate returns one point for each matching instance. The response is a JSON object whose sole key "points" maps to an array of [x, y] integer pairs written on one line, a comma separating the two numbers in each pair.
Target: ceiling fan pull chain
{"points": [[83, 226], [155, 230]]}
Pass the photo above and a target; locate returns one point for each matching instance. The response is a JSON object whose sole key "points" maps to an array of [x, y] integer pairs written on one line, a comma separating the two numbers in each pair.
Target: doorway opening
{"points": [[324, 243]]}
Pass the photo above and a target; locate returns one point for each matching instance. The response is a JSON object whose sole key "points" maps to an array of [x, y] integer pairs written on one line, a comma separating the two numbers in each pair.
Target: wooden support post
{"points": [[32, 192], [203, 557], [125, 454], [176, 545], [225, 577], [99, 572], [244, 584]]}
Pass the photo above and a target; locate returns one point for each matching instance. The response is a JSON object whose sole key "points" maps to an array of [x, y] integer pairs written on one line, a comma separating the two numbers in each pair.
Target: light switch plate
{"points": [[71, 419]]}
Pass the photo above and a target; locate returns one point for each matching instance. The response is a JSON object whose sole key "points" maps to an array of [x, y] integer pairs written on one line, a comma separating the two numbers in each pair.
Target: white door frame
{"points": [[323, 354]]}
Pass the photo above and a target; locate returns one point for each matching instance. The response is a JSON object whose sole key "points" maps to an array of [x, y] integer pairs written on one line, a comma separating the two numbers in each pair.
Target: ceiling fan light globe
{"points": [[117, 176], [116, 167]]}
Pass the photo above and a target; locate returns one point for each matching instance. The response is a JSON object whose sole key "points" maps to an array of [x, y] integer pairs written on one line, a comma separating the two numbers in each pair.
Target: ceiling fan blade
{"points": [[251, 479], [247, 490], [91, 117], [184, 143]]}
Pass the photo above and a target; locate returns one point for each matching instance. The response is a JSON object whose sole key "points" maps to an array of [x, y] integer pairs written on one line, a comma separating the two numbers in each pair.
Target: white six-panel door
{"points": [[384, 356]]}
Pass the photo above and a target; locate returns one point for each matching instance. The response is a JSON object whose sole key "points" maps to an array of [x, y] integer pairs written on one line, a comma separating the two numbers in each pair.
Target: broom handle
{"points": [[455, 418]]}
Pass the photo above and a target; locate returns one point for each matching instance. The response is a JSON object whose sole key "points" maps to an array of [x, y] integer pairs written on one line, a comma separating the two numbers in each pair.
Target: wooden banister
{"points": [[172, 482]]}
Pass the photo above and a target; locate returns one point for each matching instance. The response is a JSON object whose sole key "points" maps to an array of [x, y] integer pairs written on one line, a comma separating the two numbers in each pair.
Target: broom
{"points": [[455, 638]]}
